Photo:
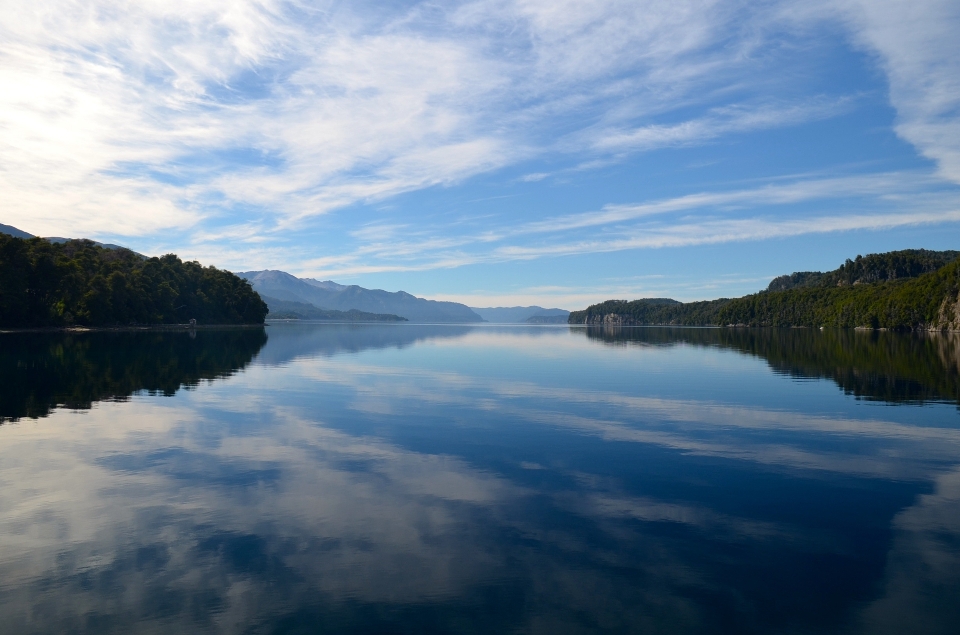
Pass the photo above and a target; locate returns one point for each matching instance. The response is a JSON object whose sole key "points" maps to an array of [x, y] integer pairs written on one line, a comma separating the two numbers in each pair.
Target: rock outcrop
{"points": [[948, 317]]}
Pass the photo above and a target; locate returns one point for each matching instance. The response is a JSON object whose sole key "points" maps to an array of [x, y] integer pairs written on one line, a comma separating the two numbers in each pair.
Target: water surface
{"points": [[450, 479]]}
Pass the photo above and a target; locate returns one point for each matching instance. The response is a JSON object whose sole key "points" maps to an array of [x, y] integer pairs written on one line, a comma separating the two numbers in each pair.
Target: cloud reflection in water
{"points": [[461, 481]]}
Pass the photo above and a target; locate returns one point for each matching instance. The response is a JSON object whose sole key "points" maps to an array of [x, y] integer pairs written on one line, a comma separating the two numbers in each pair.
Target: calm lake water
{"points": [[446, 479]]}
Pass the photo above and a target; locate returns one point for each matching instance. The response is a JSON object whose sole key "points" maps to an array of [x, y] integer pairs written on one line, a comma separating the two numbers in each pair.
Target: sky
{"points": [[491, 152]]}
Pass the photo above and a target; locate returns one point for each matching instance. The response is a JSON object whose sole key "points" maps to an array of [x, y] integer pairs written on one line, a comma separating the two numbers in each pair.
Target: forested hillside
{"points": [[893, 300], [79, 283], [893, 265], [650, 311], [925, 302]]}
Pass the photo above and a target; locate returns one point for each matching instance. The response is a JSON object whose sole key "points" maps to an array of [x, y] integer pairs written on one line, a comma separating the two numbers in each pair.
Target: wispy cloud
{"points": [[919, 51], [224, 130], [766, 211], [708, 232], [158, 115], [770, 194], [651, 236], [717, 122]]}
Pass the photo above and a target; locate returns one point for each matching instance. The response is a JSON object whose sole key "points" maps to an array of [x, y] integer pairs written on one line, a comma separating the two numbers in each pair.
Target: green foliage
{"points": [[892, 304], [795, 280], [899, 302], [79, 283], [650, 311], [43, 371], [893, 265]]}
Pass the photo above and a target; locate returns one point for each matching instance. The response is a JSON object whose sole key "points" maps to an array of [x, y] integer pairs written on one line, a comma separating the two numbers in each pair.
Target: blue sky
{"points": [[495, 152]]}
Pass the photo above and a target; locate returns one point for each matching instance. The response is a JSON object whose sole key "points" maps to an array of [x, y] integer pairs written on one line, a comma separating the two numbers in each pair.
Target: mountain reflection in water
{"points": [[415, 479]]}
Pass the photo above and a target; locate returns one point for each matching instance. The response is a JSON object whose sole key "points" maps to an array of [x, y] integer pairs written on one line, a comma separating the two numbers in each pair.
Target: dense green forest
{"points": [[898, 290], [43, 371], [650, 311], [76, 282], [893, 265]]}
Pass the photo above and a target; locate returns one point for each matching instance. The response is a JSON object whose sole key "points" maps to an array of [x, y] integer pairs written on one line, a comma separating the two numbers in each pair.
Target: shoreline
{"points": [[862, 329], [130, 328]]}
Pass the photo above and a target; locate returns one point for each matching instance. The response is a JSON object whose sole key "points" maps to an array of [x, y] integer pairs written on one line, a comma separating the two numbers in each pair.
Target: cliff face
{"points": [[948, 314], [948, 317]]}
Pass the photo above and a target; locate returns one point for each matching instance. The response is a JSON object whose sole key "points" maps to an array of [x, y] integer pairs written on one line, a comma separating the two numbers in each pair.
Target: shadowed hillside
{"points": [[44, 284]]}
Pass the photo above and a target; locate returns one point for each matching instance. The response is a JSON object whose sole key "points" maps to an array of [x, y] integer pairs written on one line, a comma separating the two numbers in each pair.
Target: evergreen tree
{"points": [[80, 283]]}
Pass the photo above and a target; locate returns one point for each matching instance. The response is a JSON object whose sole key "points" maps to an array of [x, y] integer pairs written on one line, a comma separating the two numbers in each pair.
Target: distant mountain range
{"points": [[522, 315], [287, 310], [279, 285]]}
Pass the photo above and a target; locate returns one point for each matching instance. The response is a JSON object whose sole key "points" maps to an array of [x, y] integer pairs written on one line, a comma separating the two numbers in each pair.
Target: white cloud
{"points": [[919, 51], [771, 194], [708, 232], [657, 236], [762, 212], [152, 117], [129, 118], [678, 287], [718, 122]]}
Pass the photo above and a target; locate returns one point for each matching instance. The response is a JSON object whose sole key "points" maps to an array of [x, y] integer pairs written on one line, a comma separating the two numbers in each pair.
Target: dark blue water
{"points": [[445, 479]]}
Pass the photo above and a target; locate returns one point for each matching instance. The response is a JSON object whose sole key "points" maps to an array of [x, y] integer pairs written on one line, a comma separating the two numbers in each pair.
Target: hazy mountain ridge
{"points": [[325, 284], [286, 309], [520, 314], [330, 295]]}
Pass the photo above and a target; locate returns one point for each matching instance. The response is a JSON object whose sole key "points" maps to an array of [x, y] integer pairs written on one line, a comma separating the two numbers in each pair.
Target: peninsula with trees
{"points": [[914, 289], [46, 283]]}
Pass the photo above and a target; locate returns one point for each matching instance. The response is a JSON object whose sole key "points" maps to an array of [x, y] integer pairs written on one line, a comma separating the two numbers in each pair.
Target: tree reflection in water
{"points": [[410, 478], [43, 371], [874, 365]]}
